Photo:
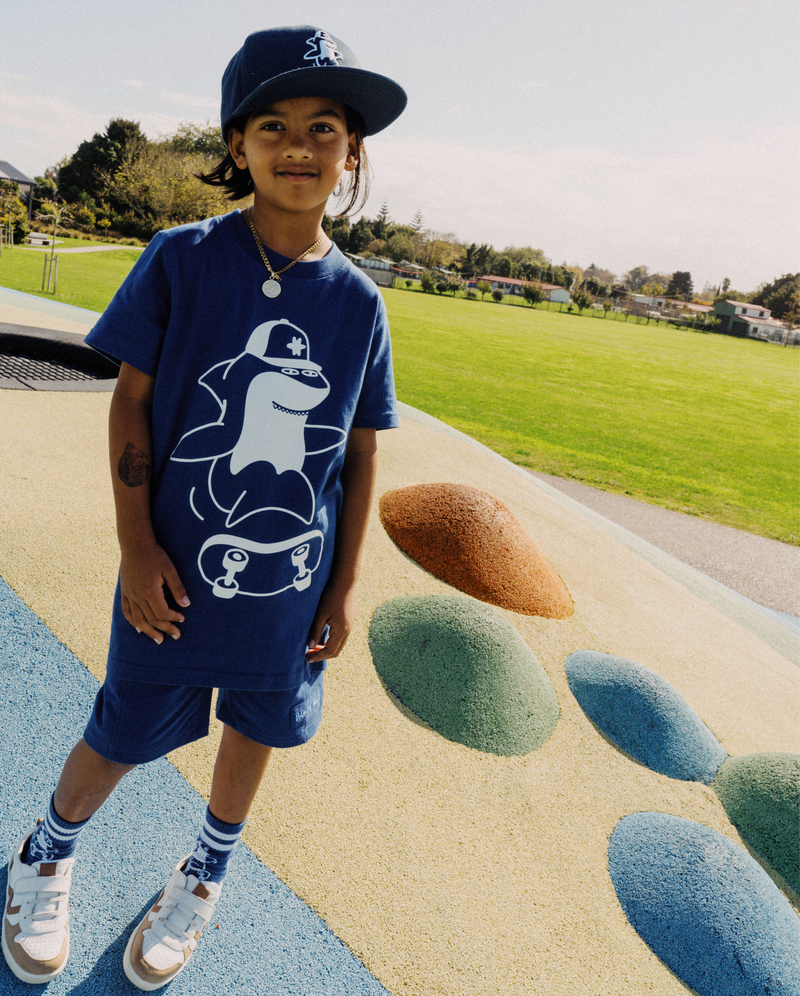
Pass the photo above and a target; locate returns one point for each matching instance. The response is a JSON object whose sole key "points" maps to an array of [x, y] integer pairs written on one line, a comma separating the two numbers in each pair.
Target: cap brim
{"points": [[377, 99]]}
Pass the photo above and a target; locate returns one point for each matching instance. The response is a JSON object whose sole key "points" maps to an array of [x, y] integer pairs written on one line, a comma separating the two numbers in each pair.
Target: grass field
{"points": [[704, 424], [85, 280]]}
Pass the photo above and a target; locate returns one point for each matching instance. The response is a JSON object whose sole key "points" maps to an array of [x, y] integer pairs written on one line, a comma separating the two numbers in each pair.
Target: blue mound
{"points": [[705, 907], [644, 715]]}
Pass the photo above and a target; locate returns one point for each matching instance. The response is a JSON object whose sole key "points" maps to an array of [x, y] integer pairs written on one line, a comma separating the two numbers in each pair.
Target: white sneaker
{"points": [[162, 944], [35, 931]]}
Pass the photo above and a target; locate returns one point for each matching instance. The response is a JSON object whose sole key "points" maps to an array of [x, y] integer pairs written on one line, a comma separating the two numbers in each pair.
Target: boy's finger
{"points": [[175, 585]]}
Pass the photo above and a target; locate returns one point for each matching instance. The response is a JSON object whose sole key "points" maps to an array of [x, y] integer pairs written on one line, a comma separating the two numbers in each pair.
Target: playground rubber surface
{"points": [[382, 856]]}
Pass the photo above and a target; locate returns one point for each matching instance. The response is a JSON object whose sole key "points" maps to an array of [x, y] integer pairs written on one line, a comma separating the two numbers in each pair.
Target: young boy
{"points": [[241, 524]]}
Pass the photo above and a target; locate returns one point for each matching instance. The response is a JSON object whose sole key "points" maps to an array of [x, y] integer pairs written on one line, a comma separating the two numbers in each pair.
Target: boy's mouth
{"points": [[296, 176]]}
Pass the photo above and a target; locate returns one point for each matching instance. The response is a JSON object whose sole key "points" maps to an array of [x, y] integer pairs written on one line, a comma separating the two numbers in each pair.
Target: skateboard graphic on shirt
{"points": [[224, 562], [257, 448]]}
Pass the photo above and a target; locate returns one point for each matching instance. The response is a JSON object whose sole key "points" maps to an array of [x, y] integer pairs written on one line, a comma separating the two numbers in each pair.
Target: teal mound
{"points": [[705, 907], [463, 669], [761, 795], [644, 715]]}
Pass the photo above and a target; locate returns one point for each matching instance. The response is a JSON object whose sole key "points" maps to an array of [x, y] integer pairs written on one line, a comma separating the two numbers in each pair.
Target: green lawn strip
{"points": [[704, 424], [85, 280]]}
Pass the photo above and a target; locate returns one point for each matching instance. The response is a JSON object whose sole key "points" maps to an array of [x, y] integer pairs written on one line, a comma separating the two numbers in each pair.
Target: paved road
{"points": [[763, 570]]}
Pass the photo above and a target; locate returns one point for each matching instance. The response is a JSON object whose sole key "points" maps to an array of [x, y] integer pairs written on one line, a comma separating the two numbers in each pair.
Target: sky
{"points": [[622, 133]]}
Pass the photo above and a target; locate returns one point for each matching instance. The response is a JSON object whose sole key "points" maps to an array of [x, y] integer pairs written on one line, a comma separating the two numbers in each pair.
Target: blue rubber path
{"points": [[268, 941]]}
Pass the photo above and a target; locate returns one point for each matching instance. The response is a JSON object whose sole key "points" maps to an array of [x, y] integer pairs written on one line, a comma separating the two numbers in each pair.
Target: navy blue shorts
{"points": [[134, 722]]}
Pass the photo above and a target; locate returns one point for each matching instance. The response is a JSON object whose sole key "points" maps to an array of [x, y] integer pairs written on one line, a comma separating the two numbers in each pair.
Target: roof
{"points": [[747, 304], [8, 172], [521, 283]]}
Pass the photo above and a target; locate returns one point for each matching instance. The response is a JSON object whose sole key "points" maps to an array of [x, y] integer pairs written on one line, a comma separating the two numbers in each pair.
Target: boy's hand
{"points": [[143, 573], [336, 610]]}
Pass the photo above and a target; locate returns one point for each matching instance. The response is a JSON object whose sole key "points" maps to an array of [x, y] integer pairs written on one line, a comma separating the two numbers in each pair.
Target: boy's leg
{"points": [[163, 942], [238, 772], [86, 781]]}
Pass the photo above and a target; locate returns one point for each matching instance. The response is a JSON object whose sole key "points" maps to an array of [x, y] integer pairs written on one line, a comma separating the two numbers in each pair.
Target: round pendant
{"points": [[271, 288]]}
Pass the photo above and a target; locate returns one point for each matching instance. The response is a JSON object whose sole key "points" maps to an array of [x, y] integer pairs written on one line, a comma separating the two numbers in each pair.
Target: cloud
{"points": [[135, 84], [717, 208]]}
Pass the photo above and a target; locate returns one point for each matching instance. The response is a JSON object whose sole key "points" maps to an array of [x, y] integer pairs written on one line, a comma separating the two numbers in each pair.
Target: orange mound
{"points": [[470, 540]]}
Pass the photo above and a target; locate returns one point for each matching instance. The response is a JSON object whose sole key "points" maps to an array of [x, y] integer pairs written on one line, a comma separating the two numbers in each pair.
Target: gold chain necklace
{"points": [[272, 287]]}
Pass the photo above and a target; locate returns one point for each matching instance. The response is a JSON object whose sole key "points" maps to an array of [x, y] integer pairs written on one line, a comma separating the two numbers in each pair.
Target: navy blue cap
{"points": [[305, 61]]}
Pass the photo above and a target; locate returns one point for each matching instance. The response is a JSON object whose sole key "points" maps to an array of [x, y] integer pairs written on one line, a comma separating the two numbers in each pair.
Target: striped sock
{"points": [[54, 839], [215, 844]]}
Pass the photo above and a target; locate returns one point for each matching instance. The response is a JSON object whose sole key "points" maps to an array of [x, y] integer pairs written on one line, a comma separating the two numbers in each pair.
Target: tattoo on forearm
{"points": [[133, 468]]}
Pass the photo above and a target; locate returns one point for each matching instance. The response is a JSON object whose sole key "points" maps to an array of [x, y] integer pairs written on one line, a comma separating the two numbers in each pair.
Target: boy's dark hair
{"points": [[237, 183]]}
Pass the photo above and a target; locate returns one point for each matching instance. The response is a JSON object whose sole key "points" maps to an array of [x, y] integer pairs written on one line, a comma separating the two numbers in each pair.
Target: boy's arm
{"points": [[144, 566], [337, 605]]}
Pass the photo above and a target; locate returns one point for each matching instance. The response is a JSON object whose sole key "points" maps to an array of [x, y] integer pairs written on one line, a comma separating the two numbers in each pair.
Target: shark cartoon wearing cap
{"points": [[264, 397]]}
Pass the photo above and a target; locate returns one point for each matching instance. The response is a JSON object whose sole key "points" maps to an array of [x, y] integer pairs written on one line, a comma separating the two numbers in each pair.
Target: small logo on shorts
{"points": [[304, 711]]}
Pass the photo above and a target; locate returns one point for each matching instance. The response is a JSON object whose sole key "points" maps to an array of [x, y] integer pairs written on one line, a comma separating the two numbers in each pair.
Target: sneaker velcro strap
{"points": [[192, 902], [41, 886]]}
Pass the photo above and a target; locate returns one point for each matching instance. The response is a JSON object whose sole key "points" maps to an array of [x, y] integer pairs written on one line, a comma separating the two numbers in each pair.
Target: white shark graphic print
{"points": [[258, 448]]}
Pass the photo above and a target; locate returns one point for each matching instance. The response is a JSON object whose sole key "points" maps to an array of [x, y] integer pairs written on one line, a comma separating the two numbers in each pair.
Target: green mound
{"points": [[761, 795], [463, 669]]}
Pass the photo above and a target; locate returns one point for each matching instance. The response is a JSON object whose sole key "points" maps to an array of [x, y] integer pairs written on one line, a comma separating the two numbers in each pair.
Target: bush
{"points": [[428, 283], [471, 295], [498, 295], [442, 286], [409, 283]]}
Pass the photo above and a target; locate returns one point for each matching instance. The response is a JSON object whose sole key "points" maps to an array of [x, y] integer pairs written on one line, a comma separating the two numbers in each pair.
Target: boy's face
{"points": [[296, 151]]}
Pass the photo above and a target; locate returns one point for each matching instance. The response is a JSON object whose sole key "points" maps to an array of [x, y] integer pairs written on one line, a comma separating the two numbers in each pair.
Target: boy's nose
{"points": [[297, 147]]}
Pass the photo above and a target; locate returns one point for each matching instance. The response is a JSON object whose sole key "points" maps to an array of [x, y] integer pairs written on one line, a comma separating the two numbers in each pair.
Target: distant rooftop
{"points": [[9, 172]]}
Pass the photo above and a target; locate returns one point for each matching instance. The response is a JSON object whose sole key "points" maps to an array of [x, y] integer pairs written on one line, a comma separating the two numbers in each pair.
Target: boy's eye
{"points": [[271, 126]]}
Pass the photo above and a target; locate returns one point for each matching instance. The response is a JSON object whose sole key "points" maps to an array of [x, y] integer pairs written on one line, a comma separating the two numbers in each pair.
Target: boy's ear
{"points": [[351, 160], [236, 148]]}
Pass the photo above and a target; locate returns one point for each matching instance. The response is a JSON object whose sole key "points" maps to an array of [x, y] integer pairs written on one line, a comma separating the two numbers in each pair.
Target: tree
{"points": [[158, 189], [533, 293], [652, 289], [360, 236], [636, 278], [94, 162], [12, 209], [400, 246], [595, 273], [680, 285], [484, 287], [782, 297], [380, 228], [582, 300], [418, 224], [498, 295], [205, 141], [427, 282]]}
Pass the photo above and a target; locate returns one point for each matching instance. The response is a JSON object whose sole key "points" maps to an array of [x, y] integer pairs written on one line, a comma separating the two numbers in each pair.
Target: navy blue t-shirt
{"points": [[254, 401]]}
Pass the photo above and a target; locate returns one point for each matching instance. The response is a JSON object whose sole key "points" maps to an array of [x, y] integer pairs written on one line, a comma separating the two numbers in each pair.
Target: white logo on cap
{"points": [[323, 51]]}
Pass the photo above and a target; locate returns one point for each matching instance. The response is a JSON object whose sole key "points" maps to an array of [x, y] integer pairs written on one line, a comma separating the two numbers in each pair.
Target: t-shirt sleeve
{"points": [[377, 403], [132, 327]]}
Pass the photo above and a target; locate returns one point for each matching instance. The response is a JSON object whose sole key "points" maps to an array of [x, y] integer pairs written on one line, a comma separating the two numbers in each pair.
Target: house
{"points": [[735, 316], [8, 172], [25, 184], [752, 321], [376, 268], [510, 285]]}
